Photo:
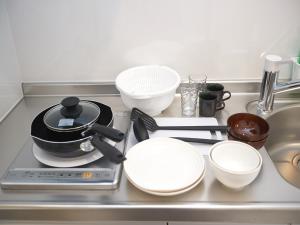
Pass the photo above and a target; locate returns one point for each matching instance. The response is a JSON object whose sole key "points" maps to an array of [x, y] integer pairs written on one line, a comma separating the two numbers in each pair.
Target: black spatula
{"points": [[151, 124], [141, 134]]}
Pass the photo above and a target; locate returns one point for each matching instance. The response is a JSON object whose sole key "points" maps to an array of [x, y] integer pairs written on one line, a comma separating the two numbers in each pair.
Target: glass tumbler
{"points": [[189, 95], [189, 98]]}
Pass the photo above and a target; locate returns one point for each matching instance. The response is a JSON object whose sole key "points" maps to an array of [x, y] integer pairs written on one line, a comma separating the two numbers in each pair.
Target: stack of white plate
{"points": [[164, 166]]}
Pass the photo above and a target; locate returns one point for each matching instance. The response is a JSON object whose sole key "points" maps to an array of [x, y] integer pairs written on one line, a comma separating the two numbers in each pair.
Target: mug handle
{"points": [[228, 97], [221, 107]]}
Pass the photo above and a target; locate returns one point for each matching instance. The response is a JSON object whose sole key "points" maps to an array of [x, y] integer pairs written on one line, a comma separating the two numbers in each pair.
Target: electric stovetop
{"points": [[26, 172]]}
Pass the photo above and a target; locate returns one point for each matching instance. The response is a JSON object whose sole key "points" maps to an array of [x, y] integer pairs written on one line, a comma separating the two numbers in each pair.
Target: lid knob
{"points": [[70, 102], [71, 107]]}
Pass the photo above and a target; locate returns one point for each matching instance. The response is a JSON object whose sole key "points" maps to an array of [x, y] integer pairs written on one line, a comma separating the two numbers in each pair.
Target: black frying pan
{"points": [[79, 142]]}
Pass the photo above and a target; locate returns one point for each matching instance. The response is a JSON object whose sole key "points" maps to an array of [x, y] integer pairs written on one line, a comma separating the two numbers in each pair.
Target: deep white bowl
{"points": [[149, 88], [235, 164]]}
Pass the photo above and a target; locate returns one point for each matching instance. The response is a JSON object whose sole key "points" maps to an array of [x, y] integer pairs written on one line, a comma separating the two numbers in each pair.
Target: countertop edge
{"points": [[217, 213]]}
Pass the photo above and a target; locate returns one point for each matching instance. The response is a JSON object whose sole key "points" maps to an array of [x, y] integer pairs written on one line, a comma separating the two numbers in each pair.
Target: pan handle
{"points": [[108, 132], [112, 153]]}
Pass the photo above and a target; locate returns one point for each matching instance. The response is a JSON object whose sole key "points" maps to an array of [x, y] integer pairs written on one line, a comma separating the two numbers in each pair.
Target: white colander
{"points": [[149, 88]]}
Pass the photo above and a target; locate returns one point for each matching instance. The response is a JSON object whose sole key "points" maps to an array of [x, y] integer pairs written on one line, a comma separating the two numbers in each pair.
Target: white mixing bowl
{"points": [[235, 164], [149, 88]]}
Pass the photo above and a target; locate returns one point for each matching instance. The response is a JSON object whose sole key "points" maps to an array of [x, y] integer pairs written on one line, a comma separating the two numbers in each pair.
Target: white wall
{"points": [[10, 78], [93, 40]]}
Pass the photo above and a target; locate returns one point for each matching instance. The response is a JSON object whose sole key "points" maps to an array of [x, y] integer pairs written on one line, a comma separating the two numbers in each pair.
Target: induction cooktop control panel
{"points": [[103, 178]]}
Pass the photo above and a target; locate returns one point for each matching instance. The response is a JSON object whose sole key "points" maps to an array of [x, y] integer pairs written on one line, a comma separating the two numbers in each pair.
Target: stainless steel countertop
{"points": [[269, 199]]}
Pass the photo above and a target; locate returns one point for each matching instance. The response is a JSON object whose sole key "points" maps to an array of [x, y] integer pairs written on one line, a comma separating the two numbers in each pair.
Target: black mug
{"points": [[208, 104], [218, 90]]}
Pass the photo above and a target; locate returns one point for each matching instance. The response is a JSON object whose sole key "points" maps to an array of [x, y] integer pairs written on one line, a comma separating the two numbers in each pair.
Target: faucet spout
{"points": [[288, 86]]}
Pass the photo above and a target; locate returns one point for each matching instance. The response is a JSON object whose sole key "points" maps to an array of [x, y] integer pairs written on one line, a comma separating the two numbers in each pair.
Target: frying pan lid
{"points": [[71, 114]]}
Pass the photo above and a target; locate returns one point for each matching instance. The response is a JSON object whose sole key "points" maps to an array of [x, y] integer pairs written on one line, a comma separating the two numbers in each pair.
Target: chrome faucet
{"points": [[270, 85]]}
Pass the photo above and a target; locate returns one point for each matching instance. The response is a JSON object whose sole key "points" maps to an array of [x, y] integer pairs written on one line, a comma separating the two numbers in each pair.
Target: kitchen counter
{"points": [[269, 199]]}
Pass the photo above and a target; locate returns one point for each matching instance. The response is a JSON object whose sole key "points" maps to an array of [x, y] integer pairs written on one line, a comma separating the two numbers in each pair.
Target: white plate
{"points": [[55, 161], [166, 192], [175, 192], [163, 165]]}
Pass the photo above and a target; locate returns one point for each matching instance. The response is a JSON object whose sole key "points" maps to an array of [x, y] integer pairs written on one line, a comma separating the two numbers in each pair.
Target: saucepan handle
{"points": [[108, 132], [112, 153]]}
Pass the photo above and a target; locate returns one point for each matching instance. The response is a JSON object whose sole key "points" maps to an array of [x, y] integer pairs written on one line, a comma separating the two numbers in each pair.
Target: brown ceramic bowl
{"points": [[255, 144], [247, 127]]}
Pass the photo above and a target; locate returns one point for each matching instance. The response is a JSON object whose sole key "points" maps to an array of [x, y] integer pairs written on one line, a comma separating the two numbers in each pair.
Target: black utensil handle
{"points": [[207, 128], [198, 140], [112, 153], [108, 132]]}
